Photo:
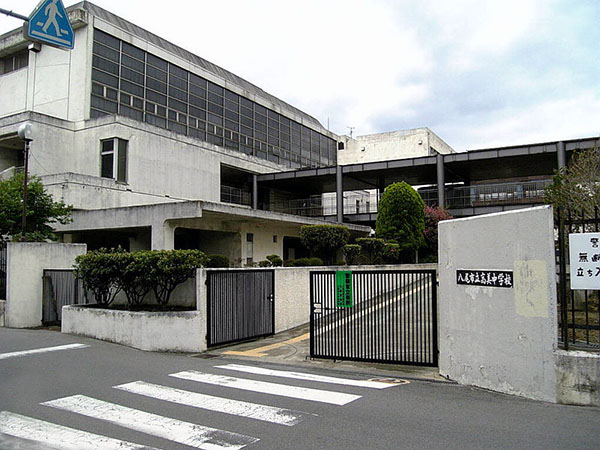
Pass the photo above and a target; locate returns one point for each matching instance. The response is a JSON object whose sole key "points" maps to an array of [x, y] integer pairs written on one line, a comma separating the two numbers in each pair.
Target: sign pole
{"points": [[26, 158]]}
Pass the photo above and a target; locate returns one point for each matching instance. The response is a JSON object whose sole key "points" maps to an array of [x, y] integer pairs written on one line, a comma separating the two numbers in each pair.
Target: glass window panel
{"points": [[246, 111], [132, 113], [246, 149], [232, 96], [231, 144], [138, 103], [105, 78], [247, 121], [97, 89], [215, 119], [182, 118], [133, 51], [217, 140], [216, 109], [157, 62], [260, 118], [273, 141], [177, 71], [106, 170], [201, 125], [150, 107], [273, 115], [261, 136], [156, 73], [108, 145], [215, 98], [132, 63], [161, 111], [215, 88], [260, 127], [132, 88], [132, 75], [122, 161], [197, 101], [198, 91], [156, 97], [246, 131], [260, 109], [156, 85], [178, 94], [176, 104], [284, 120], [232, 115], [172, 115], [284, 129], [111, 93], [198, 81], [219, 131], [105, 64], [285, 144], [177, 127], [246, 103], [273, 132], [156, 121], [104, 105], [232, 125], [198, 134], [178, 82], [106, 39], [261, 154], [274, 123], [96, 113], [197, 113]]}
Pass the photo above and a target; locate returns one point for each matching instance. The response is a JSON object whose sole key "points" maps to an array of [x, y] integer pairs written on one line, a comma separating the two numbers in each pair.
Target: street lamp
{"points": [[26, 133]]}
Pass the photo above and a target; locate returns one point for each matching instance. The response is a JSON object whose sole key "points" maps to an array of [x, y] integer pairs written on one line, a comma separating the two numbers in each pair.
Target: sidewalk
{"points": [[292, 348]]}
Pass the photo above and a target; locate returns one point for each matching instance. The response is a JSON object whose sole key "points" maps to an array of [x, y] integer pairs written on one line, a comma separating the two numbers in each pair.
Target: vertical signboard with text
{"points": [[584, 258], [343, 289]]}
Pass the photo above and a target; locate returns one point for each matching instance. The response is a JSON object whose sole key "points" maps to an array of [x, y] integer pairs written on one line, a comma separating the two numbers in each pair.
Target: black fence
{"points": [[579, 311], [60, 288], [386, 316], [2, 270], [240, 305]]}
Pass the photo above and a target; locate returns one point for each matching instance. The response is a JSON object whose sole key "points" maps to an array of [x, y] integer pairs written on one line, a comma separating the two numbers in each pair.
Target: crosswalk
{"points": [[190, 434]]}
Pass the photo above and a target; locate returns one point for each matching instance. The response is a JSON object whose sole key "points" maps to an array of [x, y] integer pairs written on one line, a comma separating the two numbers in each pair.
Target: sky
{"points": [[478, 73]]}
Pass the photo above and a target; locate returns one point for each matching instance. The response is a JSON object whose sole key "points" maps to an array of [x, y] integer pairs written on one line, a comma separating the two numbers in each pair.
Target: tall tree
{"points": [[42, 211]]}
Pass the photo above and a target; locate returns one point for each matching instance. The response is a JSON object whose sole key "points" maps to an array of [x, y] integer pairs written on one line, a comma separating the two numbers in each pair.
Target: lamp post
{"points": [[26, 133]]}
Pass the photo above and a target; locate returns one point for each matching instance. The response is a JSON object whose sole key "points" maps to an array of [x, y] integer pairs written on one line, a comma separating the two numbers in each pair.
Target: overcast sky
{"points": [[479, 73]]}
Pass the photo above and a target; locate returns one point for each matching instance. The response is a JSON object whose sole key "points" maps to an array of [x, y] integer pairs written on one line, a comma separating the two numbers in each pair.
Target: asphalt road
{"points": [[165, 401]]}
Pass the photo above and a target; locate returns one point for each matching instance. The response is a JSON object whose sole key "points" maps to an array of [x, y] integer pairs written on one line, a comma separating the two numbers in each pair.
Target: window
{"points": [[114, 159], [14, 62], [249, 248]]}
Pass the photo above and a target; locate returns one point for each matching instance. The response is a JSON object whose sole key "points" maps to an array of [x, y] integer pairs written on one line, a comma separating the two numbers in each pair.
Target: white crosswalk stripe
{"points": [[41, 350], [186, 433], [60, 436], [317, 395], [223, 405], [306, 376]]}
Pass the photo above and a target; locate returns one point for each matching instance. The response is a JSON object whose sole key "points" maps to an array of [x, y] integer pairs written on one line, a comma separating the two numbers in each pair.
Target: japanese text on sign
{"points": [[488, 278], [584, 259], [343, 289]]}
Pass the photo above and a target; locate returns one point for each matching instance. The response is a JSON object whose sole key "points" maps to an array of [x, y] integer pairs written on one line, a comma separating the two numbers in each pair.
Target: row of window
{"points": [[14, 62], [137, 84]]}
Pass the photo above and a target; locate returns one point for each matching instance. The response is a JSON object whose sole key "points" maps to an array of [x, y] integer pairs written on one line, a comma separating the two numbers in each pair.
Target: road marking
{"points": [[41, 350], [316, 395], [224, 405], [260, 351], [186, 433], [306, 376], [59, 436]]}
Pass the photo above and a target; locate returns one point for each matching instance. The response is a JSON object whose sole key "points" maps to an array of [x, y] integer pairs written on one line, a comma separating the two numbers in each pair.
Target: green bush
{"points": [[275, 260], [371, 249], [401, 217], [264, 263], [305, 262], [351, 253], [324, 240], [99, 271], [170, 268], [391, 253], [134, 277], [217, 261]]}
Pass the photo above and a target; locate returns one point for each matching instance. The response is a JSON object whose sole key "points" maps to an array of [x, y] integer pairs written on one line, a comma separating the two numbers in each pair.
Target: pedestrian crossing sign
{"points": [[49, 24]]}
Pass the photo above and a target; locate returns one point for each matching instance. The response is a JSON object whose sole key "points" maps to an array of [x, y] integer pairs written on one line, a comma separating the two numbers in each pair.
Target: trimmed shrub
{"points": [[99, 271], [275, 260], [170, 268], [371, 249], [134, 278], [351, 253], [217, 261], [324, 240], [401, 216], [433, 216], [264, 263], [391, 253], [305, 262]]}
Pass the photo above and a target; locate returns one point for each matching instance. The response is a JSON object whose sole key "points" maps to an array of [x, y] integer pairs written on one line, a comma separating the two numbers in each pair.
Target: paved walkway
{"points": [[292, 347]]}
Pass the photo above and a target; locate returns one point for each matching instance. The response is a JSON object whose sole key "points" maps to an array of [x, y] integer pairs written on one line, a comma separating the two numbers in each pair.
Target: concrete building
{"points": [[158, 148]]}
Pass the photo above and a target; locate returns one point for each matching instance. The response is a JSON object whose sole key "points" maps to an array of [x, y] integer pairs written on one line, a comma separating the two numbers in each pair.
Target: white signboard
{"points": [[584, 257]]}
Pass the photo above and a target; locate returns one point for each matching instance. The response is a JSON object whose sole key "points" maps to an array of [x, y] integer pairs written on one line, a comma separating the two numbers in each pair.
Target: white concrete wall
{"points": [[150, 331], [391, 145], [578, 378], [497, 338], [2, 311], [13, 92], [25, 265]]}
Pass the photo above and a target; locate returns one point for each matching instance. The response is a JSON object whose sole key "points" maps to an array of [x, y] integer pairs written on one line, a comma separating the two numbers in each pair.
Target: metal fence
{"points": [[392, 317], [3, 270], [579, 310], [240, 305], [60, 288]]}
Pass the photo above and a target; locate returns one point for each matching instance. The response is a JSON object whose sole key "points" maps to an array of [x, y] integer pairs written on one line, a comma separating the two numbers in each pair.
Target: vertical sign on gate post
{"points": [[584, 258], [343, 289]]}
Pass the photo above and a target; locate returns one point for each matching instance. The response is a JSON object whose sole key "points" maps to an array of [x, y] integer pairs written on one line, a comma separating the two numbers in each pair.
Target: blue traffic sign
{"points": [[49, 23]]}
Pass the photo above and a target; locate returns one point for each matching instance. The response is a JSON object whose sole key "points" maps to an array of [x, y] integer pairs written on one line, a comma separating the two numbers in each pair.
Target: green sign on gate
{"points": [[343, 289]]}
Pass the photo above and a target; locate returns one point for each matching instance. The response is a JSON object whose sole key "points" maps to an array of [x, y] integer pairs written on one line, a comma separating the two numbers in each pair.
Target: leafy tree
{"points": [[170, 268], [100, 270], [577, 186], [324, 240], [400, 216], [371, 249], [42, 211], [351, 253], [134, 276], [433, 216]]}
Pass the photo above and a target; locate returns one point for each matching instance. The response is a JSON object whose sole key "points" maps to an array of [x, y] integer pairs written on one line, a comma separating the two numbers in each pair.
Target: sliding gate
{"points": [[240, 305], [376, 316]]}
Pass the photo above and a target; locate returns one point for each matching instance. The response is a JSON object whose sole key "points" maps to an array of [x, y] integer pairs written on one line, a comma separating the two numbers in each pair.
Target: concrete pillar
{"points": [[254, 191], [561, 155], [163, 236], [339, 194], [441, 181]]}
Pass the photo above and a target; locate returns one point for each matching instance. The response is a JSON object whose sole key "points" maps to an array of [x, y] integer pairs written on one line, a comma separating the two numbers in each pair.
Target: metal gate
{"points": [[390, 316], [240, 305], [60, 288]]}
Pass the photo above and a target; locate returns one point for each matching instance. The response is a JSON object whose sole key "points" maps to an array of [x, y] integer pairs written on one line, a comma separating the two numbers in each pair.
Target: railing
{"points": [[235, 195], [489, 194], [320, 206]]}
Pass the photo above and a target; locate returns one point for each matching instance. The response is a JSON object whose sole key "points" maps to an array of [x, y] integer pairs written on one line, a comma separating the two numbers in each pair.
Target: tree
{"points": [[400, 216], [577, 186], [42, 211], [324, 240], [433, 216]]}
